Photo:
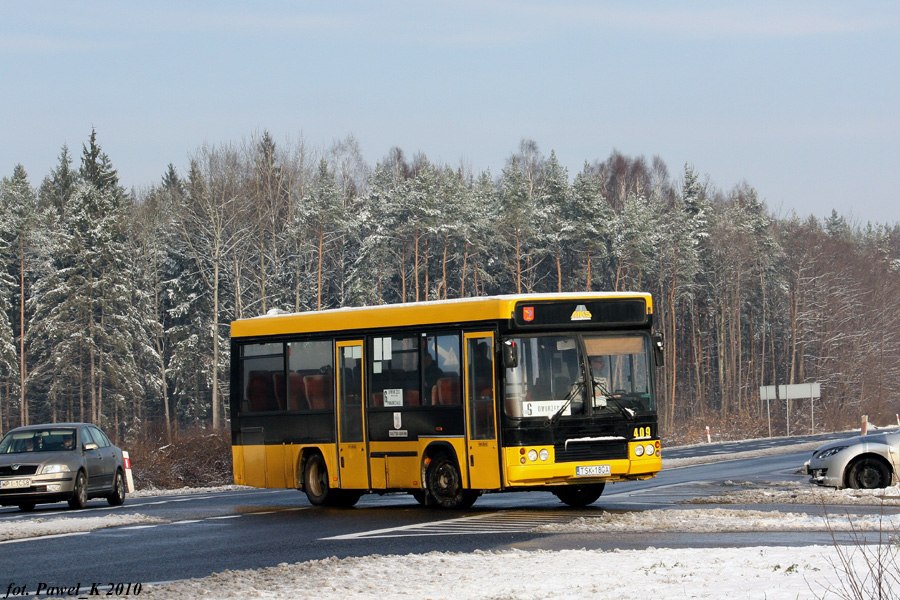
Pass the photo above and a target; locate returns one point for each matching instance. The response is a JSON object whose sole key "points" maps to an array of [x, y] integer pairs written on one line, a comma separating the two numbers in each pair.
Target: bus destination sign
{"points": [[631, 311]]}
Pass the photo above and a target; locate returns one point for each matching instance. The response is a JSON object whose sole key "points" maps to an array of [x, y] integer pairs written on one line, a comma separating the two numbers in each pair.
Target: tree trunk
{"points": [[23, 405], [216, 424]]}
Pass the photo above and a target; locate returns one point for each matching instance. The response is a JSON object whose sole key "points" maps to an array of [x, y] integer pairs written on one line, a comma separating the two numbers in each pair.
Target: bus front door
{"points": [[353, 466], [481, 430]]}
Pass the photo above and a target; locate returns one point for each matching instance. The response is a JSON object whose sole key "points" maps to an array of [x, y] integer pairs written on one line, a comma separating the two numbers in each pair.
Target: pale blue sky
{"points": [[800, 99]]}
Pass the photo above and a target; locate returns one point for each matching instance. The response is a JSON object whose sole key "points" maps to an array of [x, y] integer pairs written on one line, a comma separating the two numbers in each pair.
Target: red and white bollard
{"points": [[708, 437], [129, 478], [864, 425]]}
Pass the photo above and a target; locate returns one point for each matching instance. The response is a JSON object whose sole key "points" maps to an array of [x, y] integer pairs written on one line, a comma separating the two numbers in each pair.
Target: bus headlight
{"points": [[532, 455], [545, 454], [638, 450], [650, 449]]}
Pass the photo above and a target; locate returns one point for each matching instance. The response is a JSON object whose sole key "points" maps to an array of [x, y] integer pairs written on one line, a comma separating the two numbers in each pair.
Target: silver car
{"points": [[65, 461], [863, 462]]}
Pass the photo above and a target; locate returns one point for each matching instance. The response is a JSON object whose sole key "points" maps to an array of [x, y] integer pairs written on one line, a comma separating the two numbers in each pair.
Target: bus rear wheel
{"points": [[315, 481], [580, 495], [445, 487], [317, 488]]}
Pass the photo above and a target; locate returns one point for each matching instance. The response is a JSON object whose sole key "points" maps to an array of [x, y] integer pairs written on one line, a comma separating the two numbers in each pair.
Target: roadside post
{"points": [[129, 478]]}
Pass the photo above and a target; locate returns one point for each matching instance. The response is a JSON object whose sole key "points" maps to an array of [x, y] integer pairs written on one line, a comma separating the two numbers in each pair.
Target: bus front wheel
{"points": [[445, 487], [580, 495]]}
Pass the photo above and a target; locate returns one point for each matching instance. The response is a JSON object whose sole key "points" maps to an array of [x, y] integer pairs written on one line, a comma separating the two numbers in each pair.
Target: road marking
{"points": [[487, 523], [46, 537]]}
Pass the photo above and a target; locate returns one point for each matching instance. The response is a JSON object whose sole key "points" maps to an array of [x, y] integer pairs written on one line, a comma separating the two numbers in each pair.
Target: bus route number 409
{"points": [[592, 471]]}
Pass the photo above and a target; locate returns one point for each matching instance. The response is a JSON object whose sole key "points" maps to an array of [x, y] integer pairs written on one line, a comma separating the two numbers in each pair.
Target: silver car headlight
{"points": [[830, 452], [46, 469]]}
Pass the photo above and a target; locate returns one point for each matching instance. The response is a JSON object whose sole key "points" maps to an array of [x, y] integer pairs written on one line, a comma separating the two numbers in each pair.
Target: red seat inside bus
{"points": [[261, 391], [445, 391], [296, 393], [319, 392]]}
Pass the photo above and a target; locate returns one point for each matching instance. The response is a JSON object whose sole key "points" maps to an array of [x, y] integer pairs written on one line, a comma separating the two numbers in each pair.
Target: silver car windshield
{"points": [[54, 439]]}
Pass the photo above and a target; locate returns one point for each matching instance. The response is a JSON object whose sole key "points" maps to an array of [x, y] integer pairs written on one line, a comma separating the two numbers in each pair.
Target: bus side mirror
{"points": [[658, 354], [510, 354]]}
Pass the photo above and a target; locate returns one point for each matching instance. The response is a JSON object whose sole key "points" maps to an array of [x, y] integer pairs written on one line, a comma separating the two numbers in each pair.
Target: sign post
{"points": [[800, 391], [767, 393]]}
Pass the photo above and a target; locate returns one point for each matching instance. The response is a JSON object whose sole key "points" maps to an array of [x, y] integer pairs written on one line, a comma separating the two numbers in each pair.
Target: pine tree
{"points": [[590, 237], [20, 201], [517, 226]]}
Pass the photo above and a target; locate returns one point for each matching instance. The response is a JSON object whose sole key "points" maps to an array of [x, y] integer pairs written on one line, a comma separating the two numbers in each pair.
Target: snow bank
{"points": [[29, 528], [720, 520], [151, 492], [800, 493], [758, 572]]}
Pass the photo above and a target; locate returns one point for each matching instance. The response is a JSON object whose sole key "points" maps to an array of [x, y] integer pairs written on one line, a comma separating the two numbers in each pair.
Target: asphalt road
{"points": [[244, 529]]}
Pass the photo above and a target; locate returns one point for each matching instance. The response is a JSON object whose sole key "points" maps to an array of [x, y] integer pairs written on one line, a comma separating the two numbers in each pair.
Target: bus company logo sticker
{"points": [[528, 313], [581, 313], [396, 432]]}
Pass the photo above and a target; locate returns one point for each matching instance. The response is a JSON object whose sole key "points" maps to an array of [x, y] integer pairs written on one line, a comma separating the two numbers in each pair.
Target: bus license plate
{"points": [[593, 471], [15, 483]]}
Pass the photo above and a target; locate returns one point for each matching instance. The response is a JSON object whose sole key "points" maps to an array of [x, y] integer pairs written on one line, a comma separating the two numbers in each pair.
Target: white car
{"points": [[863, 462]]}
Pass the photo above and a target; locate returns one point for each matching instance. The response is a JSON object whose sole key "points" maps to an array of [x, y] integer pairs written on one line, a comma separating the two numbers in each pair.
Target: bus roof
{"points": [[462, 310]]}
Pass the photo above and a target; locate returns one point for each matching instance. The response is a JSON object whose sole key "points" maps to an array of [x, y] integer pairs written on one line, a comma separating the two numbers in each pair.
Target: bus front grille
{"points": [[589, 451]]}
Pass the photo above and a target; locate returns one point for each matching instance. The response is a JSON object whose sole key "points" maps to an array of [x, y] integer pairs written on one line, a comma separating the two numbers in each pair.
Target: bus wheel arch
{"points": [[300, 473]]}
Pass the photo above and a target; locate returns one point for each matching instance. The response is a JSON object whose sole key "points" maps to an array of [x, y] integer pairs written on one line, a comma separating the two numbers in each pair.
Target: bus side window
{"points": [[311, 377], [261, 363], [393, 367], [441, 371]]}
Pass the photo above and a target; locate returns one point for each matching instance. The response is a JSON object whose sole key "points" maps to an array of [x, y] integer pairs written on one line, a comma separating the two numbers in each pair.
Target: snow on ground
{"points": [[152, 492], [21, 529], [781, 492], [721, 520], [759, 573]]}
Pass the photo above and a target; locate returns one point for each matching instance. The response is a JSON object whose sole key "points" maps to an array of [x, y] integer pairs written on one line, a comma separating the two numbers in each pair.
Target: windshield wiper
{"points": [[576, 388], [626, 412]]}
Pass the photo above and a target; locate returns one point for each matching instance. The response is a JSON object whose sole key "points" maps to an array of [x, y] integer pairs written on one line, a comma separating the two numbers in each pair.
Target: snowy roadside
{"points": [[772, 573], [39, 527], [152, 493]]}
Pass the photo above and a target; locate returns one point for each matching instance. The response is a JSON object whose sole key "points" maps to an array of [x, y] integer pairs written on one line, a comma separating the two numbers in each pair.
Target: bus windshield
{"points": [[580, 375]]}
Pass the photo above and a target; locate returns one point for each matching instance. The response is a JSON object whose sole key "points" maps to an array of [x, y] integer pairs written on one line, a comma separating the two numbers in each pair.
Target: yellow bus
{"points": [[448, 400]]}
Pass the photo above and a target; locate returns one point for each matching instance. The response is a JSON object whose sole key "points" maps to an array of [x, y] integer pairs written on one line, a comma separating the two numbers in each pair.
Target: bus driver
{"points": [[600, 375]]}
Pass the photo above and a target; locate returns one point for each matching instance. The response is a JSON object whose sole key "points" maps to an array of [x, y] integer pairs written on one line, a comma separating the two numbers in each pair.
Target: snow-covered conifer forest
{"points": [[115, 304]]}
